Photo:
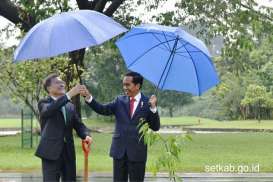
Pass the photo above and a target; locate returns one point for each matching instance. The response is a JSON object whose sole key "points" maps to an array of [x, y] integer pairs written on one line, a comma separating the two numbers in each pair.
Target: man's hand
{"points": [[85, 93], [153, 101], [88, 140], [74, 91]]}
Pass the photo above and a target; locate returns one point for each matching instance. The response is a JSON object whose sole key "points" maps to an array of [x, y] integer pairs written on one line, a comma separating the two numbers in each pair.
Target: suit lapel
{"points": [[139, 106], [127, 106], [67, 109]]}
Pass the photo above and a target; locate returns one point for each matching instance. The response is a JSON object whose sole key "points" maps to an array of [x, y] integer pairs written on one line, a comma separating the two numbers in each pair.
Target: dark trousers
{"points": [[124, 168], [64, 168]]}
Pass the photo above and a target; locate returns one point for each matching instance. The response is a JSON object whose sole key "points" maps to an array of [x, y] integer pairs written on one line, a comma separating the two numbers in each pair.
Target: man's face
{"points": [[129, 87], [57, 87]]}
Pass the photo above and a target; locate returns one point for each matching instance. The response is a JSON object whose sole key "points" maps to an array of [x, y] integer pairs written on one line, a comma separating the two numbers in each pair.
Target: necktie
{"points": [[132, 101], [64, 113]]}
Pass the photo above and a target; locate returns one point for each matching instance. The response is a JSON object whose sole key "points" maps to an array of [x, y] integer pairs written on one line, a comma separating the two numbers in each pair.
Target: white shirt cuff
{"points": [[68, 97], [90, 99], [153, 109]]}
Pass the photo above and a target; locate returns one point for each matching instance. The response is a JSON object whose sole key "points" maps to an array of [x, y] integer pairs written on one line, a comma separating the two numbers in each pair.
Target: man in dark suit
{"points": [[57, 119], [128, 151]]}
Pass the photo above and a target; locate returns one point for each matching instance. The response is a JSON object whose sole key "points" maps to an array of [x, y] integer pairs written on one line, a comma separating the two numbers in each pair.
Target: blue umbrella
{"points": [[169, 57], [67, 32]]}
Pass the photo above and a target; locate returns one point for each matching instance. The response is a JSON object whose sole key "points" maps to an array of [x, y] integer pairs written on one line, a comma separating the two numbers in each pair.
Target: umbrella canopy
{"points": [[67, 32], [169, 57]]}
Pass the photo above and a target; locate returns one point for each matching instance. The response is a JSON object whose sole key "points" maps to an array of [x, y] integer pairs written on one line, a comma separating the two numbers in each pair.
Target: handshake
{"points": [[79, 89]]}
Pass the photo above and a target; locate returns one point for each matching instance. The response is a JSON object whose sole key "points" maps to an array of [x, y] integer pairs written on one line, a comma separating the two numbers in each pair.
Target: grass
{"points": [[205, 149], [16, 123], [235, 149], [101, 122], [24, 159], [184, 121], [241, 124], [209, 123], [10, 123]]}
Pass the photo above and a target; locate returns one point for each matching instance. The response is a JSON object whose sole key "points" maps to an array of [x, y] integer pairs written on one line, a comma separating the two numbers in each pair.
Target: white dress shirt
{"points": [[55, 98], [137, 99]]}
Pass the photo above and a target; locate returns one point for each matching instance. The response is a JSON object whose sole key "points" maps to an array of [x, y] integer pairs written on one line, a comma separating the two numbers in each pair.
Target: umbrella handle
{"points": [[86, 148]]}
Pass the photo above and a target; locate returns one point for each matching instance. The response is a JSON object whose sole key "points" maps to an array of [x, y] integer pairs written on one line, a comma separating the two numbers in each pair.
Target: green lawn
{"points": [[16, 123], [247, 124], [205, 149], [209, 123], [10, 123], [185, 120]]}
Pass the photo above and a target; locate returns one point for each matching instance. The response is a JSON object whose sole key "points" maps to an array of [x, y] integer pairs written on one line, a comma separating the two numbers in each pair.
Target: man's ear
{"points": [[47, 89], [138, 86]]}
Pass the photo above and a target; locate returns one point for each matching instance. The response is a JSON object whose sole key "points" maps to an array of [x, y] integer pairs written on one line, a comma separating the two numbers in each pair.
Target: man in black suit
{"points": [[128, 151], [57, 119]]}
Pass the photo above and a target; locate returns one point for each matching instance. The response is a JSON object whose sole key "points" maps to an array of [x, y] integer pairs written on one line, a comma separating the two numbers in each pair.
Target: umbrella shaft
{"points": [[79, 75], [169, 62], [85, 178]]}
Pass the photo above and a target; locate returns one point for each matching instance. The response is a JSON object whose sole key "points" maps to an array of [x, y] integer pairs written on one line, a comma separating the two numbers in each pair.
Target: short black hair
{"points": [[137, 78], [48, 79]]}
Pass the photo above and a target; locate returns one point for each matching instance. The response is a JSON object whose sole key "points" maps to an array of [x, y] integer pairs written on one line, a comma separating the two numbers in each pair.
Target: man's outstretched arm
{"points": [[103, 109]]}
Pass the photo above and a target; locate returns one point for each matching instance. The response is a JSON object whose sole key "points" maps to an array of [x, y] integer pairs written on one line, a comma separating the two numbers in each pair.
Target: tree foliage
{"points": [[26, 13], [244, 26], [23, 82], [172, 149], [258, 99]]}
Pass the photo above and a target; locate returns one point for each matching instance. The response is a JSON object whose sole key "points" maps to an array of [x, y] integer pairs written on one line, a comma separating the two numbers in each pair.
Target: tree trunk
{"points": [[171, 111], [243, 113], [16, 15], [33, 110], [77, 102], [259, 112], [75, 72]]}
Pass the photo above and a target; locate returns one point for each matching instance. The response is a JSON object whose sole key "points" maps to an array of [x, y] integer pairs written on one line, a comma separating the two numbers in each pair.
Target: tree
{"points": [[171, 149], [257, 70], [261, 62], [258, 99], [104, 73], [7, 108], [229, 94], [244, 27], [25, 14], [240, 23], [173, 100], [23, 82]]}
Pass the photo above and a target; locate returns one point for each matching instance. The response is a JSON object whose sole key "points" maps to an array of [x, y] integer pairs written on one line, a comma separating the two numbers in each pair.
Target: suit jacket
{"points": [[126, 137], [54, 130]]}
